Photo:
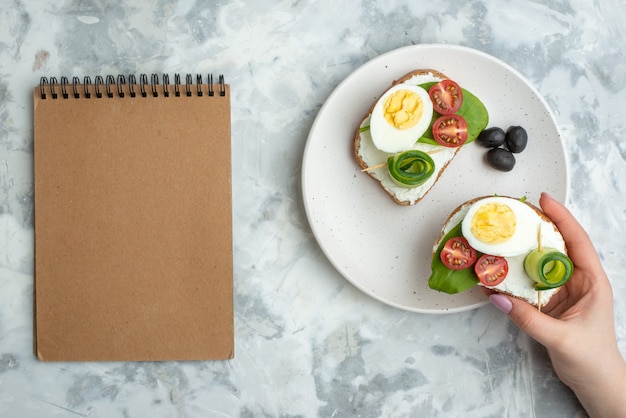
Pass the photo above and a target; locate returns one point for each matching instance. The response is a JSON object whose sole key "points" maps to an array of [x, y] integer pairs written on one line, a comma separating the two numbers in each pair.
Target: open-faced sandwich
{"points": [[412, 132], [502, 243]]}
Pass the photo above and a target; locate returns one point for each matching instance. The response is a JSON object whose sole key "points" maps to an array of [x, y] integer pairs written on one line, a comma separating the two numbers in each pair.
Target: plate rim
{"points": [[319, 116]]}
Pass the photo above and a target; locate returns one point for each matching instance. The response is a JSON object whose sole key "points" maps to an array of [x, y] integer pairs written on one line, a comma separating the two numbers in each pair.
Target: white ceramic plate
{"points": [[382, 248]]}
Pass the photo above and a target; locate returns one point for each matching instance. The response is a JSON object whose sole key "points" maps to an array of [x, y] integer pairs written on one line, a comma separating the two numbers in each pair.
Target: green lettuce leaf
{"points": [[446, 280], [472, 109]]}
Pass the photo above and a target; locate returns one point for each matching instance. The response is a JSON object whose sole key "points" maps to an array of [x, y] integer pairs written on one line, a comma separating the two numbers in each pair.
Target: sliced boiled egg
{"points": [[400, 117], [501, 226]]}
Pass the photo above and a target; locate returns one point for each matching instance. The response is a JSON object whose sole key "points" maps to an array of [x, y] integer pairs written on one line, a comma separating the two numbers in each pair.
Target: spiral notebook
{"points": [[133, 219]]}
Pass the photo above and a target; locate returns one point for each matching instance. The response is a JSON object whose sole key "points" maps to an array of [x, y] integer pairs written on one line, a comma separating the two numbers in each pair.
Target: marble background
{"points": [[307, 342]]}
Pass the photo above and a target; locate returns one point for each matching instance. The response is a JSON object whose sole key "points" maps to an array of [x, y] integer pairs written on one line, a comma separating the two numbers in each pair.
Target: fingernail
{"points": [[501, 302]]}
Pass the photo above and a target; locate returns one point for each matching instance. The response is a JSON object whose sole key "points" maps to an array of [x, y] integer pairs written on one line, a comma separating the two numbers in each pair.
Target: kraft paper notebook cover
{"points": [[133, 220]]}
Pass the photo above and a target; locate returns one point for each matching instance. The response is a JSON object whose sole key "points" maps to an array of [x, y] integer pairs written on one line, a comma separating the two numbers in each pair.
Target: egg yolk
{"points": [[493, 223], [403, 109]]}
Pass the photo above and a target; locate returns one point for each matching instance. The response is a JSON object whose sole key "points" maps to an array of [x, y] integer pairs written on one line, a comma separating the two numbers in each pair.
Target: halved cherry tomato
{"points": [[457, 254], [450, 130], [491, 269], [446, 96]]}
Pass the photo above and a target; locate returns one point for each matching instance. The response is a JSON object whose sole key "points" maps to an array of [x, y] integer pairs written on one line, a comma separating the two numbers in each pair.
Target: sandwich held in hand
{"points": [[412, 132], [502, 243]]}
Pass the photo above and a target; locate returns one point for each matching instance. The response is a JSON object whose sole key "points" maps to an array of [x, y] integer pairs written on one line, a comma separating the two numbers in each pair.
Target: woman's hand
{"points": [[577, 325]]}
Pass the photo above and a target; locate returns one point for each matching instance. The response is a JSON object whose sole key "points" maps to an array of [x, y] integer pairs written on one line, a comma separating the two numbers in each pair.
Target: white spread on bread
{"points": [[373, 156]]}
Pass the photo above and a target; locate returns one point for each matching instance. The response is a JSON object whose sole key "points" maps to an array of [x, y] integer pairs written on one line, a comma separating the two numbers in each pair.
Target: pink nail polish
{"points": [[501, 302]]}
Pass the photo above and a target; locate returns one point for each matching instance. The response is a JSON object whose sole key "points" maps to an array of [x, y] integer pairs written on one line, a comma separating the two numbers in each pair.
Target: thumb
{"points": [[528, 318]]}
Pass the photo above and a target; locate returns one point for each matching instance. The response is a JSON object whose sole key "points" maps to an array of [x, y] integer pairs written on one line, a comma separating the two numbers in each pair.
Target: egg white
{"points": [[388, 138], [524, 238]]}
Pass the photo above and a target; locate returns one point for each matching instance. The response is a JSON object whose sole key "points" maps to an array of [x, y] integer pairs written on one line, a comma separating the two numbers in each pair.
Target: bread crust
{"points": [[446, 227], [357, 137]]}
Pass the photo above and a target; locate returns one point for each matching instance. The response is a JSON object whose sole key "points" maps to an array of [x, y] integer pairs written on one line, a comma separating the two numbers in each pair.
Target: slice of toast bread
{"points": [[519, 287], [372, 161]]}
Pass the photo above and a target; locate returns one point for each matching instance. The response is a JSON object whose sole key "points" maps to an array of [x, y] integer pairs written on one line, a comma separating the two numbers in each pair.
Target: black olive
{"points": [[516, 139], [501, 159], [491, 137]]}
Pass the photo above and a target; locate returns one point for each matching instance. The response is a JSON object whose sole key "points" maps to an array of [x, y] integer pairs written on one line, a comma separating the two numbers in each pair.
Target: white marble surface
{"points": [[307, 342]]}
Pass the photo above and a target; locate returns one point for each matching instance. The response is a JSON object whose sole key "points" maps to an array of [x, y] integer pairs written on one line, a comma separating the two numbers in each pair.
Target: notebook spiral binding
{"points": [[110, 86]]}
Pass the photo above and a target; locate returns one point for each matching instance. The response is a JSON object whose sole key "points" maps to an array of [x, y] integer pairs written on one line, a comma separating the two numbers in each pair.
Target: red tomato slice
{"points": [[457, 254], [446, 96], [450, 130], [491, 269]]}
